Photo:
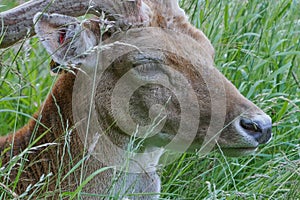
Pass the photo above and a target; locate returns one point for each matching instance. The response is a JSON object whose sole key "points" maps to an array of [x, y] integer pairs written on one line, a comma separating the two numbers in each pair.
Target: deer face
{"points": [[157, 78]]}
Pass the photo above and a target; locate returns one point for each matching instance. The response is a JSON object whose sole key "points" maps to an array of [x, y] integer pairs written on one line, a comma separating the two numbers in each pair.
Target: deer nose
{"points": [[260, 130]]}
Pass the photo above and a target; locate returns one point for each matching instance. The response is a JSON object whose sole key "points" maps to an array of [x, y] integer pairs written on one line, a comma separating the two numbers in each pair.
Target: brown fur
{"points": [[48, 123], [54, 123]]}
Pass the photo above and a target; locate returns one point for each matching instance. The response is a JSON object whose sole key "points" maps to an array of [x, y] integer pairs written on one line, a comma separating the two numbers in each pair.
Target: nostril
{"points": [[260, 130], [250, 125]]}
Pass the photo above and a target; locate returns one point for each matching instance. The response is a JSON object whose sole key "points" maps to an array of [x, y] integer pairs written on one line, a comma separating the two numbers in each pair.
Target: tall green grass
{"points": [[257, 48]]}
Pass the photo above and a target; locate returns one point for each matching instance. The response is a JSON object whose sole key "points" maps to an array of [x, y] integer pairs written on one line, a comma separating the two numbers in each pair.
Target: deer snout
{"points": [[260, 128]]}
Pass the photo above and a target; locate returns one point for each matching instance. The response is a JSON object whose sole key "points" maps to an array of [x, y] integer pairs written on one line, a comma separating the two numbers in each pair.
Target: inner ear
{"points": [[62, 35], [53, 31]]}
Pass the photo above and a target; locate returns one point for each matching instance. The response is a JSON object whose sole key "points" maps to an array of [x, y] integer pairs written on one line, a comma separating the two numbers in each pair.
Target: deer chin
{"points": [[237, 152]]}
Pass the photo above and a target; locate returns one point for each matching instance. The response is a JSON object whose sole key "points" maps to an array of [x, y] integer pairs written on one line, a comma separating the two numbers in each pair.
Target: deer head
{"points": [[150, 62]]}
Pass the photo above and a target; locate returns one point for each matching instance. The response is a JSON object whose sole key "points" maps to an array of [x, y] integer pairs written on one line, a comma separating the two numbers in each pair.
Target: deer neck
{"points": [[53, 118]]}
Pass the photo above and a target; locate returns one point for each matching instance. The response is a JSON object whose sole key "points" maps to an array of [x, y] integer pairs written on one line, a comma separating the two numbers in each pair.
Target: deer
{"points": [[156, 49]]}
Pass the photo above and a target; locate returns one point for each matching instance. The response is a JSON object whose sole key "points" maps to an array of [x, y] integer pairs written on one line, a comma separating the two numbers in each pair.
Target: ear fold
{"points": [[63, 37]]}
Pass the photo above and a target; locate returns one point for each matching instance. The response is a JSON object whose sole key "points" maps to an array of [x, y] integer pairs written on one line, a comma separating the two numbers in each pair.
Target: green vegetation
{"points": [[6, 4], [257, 47]]}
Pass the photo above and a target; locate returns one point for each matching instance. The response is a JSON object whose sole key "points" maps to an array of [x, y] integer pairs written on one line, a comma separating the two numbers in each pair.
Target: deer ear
{"points": [[63, 37]]}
